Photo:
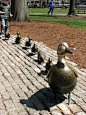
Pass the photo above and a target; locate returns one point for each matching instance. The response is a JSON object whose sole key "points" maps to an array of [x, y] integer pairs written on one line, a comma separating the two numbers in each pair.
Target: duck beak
{"points": [[69, 50]]}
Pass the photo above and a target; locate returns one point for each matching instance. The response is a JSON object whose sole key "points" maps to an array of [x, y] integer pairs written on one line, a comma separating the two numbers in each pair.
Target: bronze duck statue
{"points": [[41, 56], [7, 35], [48, 64], [28, 43], [62, 77], [18, 38], [34, 48]]}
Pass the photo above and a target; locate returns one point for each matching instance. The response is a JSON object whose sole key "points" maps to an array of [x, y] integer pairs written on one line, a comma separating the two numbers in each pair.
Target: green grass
{"points": [[75, 23], [45, 10]]}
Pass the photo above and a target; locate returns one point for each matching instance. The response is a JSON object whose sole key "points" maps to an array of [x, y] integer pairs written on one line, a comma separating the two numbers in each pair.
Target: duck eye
{"points": [[61, 48]]}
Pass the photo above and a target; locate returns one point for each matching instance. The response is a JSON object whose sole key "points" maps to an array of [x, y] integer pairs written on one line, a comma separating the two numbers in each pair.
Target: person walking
{"points": [[51, 7], [5, 15]]}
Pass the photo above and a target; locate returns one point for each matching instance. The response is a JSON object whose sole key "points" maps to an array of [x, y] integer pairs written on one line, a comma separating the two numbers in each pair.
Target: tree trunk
{"points": [[19, 10], [47, 1], [62, 1], [41, 3], [72, 8]]}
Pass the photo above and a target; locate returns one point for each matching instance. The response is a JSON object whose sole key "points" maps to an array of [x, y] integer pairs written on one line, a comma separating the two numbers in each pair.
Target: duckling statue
{"points": [[48, 64], [41, 56], [62, 77], [7, 35], [18, 38], [34, 48], [18, 33], [28, 43]]}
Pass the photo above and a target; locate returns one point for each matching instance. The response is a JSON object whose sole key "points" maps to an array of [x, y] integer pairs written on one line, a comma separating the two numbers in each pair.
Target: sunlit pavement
{"points": [[23, 84], [55, 14]]}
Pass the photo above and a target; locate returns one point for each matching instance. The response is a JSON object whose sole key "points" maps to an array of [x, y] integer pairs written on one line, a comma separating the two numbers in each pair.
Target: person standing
{"points": [[51, 7], [5, 15]]}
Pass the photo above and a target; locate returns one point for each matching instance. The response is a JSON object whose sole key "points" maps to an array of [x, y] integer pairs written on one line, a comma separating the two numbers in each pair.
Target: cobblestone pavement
{"points": [[23, 84]]}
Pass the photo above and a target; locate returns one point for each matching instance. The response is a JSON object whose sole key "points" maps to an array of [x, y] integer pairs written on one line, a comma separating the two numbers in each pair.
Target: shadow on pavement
{"points": [[30, 54], [25, 48], [43, 100]]}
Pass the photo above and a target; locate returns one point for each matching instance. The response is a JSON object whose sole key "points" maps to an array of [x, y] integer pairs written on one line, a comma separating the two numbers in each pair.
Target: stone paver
{"points": [[23, 84]]}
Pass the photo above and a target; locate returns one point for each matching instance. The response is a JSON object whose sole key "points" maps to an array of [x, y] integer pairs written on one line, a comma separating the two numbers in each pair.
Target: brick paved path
{"points": [[23, 84]]}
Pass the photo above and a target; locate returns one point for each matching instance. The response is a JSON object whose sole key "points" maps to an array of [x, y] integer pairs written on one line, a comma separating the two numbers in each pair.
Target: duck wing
{"points": [[49, 72], [74, 71]]}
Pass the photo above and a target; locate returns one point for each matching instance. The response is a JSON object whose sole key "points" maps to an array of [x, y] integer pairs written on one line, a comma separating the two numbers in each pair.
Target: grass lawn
{"points": [[75, 23], [45, 10]]}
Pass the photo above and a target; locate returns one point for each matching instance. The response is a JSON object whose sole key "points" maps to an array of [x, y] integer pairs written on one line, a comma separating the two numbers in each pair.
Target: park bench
{"points": [[80, 9]]}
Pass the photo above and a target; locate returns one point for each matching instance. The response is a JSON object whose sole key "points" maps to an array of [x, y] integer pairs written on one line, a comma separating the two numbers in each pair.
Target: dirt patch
{"points": [[52, 34]]}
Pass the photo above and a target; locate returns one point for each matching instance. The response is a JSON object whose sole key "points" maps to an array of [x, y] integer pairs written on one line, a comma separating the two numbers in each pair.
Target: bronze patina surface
{"points": [[62, 78]]}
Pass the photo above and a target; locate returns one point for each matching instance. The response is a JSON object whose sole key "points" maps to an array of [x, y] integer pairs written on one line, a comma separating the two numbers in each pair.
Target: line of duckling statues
{"points": [[62, 78]]}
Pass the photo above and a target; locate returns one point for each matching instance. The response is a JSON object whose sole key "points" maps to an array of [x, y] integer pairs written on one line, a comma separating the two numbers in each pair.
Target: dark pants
{"points": [[4, 26], [51, 10]]}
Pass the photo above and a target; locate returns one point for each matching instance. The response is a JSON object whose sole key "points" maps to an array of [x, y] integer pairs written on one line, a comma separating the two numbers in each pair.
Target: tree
{"points": [[19, 10], [0, 1], [41, 3], [72, 8], [62, 1]]}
